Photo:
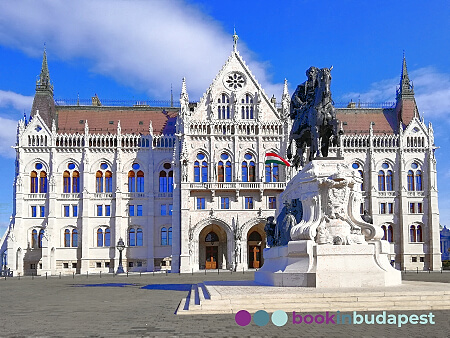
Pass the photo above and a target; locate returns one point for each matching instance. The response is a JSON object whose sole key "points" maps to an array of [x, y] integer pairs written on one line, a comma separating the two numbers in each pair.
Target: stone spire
{"points": [[235, 39], [43, 98], [43, 82], [406, 87], [406, 107]]}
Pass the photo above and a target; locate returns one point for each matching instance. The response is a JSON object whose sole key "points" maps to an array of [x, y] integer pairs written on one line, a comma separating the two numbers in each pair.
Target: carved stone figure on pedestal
{"points": [[315, 123], [319, 238]]}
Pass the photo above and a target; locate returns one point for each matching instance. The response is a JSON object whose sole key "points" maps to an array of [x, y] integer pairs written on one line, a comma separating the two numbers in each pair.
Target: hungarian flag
{"points": [[275, 158]]}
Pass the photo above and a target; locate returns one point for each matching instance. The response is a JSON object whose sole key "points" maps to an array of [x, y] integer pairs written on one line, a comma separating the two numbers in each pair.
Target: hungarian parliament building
{"points": [[187, 188]]}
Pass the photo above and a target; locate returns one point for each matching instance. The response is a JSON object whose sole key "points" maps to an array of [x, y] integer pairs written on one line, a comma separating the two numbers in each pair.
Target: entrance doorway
{"points": [[212, 254], [256, 244]]}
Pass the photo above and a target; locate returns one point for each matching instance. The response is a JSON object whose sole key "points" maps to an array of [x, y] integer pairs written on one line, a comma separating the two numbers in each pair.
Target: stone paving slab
{"points": [[57, 308]]}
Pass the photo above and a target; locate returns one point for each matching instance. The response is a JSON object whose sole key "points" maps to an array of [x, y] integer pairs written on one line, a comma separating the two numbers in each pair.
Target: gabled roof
{"points": [[235, 56]]}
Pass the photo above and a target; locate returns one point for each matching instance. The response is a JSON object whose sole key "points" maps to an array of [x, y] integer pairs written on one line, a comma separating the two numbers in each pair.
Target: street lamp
{"points": [[120, 247]]}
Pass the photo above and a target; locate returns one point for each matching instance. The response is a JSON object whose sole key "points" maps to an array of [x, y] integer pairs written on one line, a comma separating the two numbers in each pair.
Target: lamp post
{"points": [[120, 247]]}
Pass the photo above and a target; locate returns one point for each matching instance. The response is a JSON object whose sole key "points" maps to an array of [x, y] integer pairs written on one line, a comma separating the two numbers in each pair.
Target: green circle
{"points": [[279, 318], [261, 318]]}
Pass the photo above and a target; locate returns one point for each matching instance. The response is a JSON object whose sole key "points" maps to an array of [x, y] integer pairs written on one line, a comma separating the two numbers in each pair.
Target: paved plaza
{"points": [[90, 306]]}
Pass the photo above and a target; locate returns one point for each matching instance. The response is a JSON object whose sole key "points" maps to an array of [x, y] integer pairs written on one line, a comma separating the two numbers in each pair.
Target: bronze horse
{"points": [[315, 118]]}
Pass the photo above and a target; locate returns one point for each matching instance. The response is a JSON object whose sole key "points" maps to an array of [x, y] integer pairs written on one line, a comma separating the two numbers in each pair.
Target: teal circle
{"points": [[261, 318], [279, 318]]}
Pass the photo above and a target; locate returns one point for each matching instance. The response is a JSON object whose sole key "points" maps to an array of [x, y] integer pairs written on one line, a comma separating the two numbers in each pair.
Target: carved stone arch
{"points": [[387, 160], [250, 223], [96, 165], [411, 161], [227, 151], [63, 165], [210, 221], [203, 151], [249, 151], [29, 166], [127, 166]]}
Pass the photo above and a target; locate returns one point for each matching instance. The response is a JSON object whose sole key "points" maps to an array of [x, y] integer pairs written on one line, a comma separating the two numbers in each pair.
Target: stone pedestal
{"points": [[304, 263], [330, 245]]}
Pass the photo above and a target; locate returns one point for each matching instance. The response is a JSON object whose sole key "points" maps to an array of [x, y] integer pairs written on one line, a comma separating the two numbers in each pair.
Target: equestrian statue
{"points": [[315, 123]]}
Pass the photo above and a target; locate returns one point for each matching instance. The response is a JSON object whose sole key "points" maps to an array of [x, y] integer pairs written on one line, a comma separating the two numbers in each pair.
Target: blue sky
{"points": [[135, 50]]}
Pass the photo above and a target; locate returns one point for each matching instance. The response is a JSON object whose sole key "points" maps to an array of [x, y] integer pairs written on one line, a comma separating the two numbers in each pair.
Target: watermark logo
{"points": [[261, 318], [280, 318]]}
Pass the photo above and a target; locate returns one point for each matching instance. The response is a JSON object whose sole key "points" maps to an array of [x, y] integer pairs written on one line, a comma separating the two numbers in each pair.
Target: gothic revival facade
{"points": [[188, 189]]}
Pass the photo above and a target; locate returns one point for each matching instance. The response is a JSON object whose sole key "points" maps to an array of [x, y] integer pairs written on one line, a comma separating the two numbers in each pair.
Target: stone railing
{"points": [[69, 196], [237, 185], [415, 193], [37, 196], [386, 193]]}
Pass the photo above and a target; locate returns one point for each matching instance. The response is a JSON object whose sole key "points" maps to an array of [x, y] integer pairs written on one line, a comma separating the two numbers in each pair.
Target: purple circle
{"points": [[243, 318]]}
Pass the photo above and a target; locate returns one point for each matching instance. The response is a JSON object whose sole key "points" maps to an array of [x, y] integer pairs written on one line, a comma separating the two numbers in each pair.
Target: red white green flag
{"points": [[275, 158]]}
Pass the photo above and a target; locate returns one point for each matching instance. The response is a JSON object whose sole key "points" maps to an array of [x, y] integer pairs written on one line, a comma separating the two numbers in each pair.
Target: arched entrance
{"points": [[256, 242], [213, 248]]}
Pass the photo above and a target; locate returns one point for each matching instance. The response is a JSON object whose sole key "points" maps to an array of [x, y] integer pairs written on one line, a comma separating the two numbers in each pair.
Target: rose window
{"points": [[235, 80]]}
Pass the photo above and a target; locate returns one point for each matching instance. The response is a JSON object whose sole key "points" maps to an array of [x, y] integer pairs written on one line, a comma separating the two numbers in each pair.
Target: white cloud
{"points": [[17, 101], [145, 44], [431, 88], [7, 137]]}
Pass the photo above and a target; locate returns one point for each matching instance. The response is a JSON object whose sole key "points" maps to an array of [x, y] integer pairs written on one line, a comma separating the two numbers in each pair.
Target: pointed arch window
{"points": [[108, 181], [419, 233], [272, 172], [34, 182], [107, 237], [71, 179], [135, 179], [164, 236], [201, 168], [131, 181], [390, 231], [247, 107], [220, 172], [103, 179], [43, 182], [389, 183], [66, 182], [41, 236], [381, 181], [412, 234], [75, 182], [166, 178], [383, 227], [99, 181], [410, 180], [139, 237], [38, 179], [223, 108], [169, 236], [99, 237], [140, 181], [224, 169], [67, 238], [34, 238], [131, 237], [196, 171], [419, 180], [74, 238], [248, 169]]}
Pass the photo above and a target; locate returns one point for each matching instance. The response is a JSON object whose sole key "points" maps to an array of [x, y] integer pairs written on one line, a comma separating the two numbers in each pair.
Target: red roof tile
{"points": [[104, 120], [357, 120]]}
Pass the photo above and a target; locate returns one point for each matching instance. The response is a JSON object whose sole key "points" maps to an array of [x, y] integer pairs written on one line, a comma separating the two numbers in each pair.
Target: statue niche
{"points": [[315, 123]]}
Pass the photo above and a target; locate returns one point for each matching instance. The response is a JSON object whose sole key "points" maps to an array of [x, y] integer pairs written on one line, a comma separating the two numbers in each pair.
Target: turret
{"points": [[43, 98]]}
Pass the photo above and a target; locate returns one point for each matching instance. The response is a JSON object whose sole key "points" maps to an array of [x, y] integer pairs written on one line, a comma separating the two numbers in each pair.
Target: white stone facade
{"points": [[218, 208]]}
